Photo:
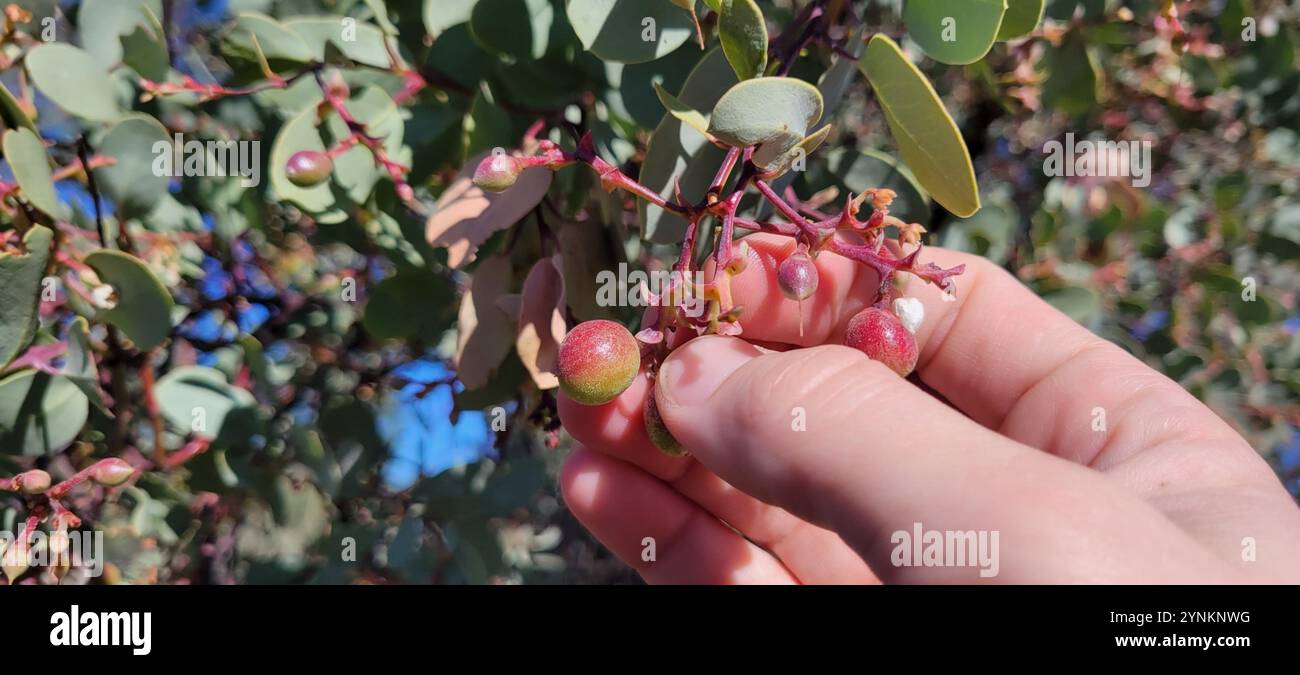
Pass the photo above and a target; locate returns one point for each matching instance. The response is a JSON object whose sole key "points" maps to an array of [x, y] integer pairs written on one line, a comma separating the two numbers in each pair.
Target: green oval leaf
{"points": [[31, 167], [678, 152], [773, 113], [1021, 19], [20, 292], [956, 33], [743, 34], [144, 50], [520, 28], [629, 31], [1072, 76], [198, 400], [40, 414], [134, 142], [12, 113], [927, 137], [439, 15], [75, 81], [358, 41], [111, 20], [254, 33], [144, 307]]}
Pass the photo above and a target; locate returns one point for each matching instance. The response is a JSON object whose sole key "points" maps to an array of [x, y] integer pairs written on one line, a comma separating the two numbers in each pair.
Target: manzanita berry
{"points": [[308, 167], [111, 472], [657, 430], [797, 276], [880, 335], [497, 172], [597, 361]]}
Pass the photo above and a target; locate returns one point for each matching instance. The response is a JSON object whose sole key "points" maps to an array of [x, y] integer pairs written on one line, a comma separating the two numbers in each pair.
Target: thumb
{"points": [[843, 442]]}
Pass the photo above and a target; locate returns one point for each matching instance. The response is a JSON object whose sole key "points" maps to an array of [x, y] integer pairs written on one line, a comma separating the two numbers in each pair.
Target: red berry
{"points": [[497, 172], [111, 472], [797, 276], [308, 167], [881, 336], [657, 430], [597, 361]]}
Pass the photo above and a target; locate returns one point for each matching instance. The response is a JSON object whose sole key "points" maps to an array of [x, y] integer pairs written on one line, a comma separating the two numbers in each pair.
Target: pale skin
{"points": [[1166, 492]]}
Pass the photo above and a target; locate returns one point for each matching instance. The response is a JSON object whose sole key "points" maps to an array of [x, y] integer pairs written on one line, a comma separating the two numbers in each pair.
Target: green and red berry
{"points": [[597, 361], [307, 168]]}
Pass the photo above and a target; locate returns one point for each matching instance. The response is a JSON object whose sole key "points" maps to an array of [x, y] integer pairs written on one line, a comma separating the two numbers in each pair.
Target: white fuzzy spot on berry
{"points": [[911, 312]]}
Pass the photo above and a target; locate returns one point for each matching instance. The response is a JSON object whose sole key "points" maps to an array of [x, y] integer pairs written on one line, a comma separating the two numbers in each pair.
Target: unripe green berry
{"points": [[308, 167], [497, 172], [880, 335], [597, 361], [111, 472], [657, 430]]}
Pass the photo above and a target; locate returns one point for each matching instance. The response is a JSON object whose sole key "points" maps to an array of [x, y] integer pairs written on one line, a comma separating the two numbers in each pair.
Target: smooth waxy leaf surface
{"points": [[927, 137], [75, 80], [133, 182], [20, 292], [31, 168], [773, 113], [743, 34], [629, 31], [1021, 19], [956, 33]]}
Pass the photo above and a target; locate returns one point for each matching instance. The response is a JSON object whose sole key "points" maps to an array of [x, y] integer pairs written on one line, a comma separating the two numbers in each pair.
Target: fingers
{"points": [[844, 288], [658, 532], [844, 443], [1003, 356], [617, 429]]}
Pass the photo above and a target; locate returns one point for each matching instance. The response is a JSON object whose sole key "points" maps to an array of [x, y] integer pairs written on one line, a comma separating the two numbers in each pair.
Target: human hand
{"points": [[1161, 491]]}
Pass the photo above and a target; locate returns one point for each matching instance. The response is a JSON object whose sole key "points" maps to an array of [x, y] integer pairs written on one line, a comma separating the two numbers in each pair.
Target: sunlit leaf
{"points": [[743, 34], [927, 137], [144, 306], [75, 80], [954, 32], [20, 292], [629, 31]]}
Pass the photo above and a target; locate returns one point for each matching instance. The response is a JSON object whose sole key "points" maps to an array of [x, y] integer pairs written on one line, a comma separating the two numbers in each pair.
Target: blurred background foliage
{"points": [[359, 439]]}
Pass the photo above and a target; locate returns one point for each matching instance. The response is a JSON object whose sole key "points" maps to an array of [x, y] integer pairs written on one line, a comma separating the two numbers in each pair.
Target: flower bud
{"points": [[111, 472], [307, 168], [32, 482], [497, 172]]}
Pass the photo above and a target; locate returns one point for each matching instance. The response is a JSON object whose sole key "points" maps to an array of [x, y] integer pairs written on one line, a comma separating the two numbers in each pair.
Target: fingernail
{"points": [[694, 371]]}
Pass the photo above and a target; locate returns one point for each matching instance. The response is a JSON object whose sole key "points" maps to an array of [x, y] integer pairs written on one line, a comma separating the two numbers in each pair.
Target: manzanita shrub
{"points": [[288, 287]]}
